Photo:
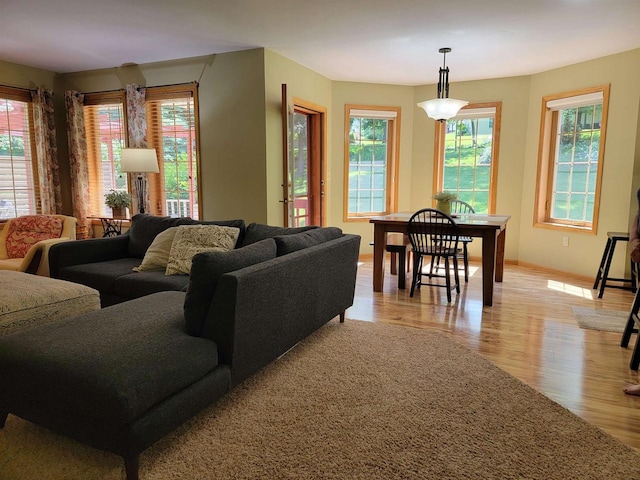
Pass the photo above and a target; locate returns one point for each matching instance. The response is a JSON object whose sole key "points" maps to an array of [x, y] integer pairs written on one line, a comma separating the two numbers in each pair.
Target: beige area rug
{"points": [[355, 401], [600, 319]]}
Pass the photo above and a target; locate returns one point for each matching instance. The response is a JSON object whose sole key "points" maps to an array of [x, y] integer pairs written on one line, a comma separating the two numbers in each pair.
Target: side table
{"points": [[111, 227]]}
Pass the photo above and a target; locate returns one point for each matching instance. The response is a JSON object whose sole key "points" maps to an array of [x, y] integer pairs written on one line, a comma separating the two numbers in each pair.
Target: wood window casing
{"points": [[20, 197], [107, 133], [156, 97], [439, 151], [392, 155], [547, 154]]}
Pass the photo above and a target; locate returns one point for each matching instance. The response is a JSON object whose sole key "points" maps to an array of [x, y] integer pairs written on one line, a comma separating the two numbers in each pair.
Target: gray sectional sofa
{"points": [[122, 377]]}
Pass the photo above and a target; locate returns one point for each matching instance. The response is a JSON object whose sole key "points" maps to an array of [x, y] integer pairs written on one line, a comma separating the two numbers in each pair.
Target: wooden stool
{"points": [[398, 245], [602, 277]]}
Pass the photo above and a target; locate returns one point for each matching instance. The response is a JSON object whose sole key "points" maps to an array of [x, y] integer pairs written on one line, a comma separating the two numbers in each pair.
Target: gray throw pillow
{"points": [[292, 243], [258, 231], [206, 270]]}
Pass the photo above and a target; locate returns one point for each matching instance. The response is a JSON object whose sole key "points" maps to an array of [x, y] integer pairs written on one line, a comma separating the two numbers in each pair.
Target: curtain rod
{"points": [[194, 82], [19, 88]]}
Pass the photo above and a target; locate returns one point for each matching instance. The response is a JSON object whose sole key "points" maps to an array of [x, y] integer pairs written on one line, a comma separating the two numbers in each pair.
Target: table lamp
{"points": [[139, 160]]}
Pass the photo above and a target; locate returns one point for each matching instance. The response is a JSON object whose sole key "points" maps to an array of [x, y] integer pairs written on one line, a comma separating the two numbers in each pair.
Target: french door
{"points": [[303, 162]]}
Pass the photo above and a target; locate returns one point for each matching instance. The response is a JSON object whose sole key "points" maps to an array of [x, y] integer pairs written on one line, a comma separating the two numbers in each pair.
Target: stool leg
{"points": [[634, 276], [607, 266], [602, 262], [630, 326]]}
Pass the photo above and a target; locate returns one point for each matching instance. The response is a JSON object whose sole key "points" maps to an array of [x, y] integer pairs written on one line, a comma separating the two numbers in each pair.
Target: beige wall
{"points": [[232, 123], [241, 139], [514, 94], [543, 246]]}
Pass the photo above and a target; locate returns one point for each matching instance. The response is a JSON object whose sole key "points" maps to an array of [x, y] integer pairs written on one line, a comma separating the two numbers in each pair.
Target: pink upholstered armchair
{"points": [[25, 241]]}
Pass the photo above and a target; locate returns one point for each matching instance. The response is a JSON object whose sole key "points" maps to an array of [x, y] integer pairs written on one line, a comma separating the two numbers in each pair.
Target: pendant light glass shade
{"points": [[443, 108]]}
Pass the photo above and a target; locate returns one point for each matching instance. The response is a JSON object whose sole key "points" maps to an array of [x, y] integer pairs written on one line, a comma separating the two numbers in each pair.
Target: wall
{"points": [[241, 146], [543, 246], [304, 84], [514, 94], [232, 123]]}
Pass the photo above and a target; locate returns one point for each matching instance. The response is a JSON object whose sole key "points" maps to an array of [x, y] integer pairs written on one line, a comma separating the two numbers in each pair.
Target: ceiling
{"points": [[373, 41]]}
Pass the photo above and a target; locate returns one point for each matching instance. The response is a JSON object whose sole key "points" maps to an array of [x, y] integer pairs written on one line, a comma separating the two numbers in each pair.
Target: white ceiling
{"points": [[379, 41]]}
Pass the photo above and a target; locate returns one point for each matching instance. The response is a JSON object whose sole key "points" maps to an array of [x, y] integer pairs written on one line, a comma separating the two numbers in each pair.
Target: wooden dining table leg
{"points": [[488, 265], [500, 255], [379, 242]]}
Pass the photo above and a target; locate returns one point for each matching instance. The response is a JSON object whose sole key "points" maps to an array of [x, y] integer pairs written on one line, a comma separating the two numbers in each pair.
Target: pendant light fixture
{"points": [[443, 107]]}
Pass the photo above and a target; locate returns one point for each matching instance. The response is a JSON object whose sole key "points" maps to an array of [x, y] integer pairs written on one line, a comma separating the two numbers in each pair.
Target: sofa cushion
{"points": [[206, 270], [291, 243], [192, 239], [157, 254], [144, 229], [26, 231], [99, 275], [139, 284], [127, 366], [237, 223], [258, 231]]}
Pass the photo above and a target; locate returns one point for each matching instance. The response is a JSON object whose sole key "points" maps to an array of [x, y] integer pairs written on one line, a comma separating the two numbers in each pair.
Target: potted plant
{"points": [[443, 200], [118, 201]]}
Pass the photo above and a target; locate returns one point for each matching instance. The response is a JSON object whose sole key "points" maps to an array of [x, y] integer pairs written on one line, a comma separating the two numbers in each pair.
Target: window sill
{"points": [[564, 227]]}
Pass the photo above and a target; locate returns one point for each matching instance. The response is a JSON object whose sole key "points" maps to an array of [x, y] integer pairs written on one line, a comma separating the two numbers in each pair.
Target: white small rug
{"points": [[600, 319]]}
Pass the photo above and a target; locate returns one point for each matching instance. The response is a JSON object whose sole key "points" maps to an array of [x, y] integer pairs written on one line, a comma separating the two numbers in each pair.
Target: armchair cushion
{"points": [[24, 232]]}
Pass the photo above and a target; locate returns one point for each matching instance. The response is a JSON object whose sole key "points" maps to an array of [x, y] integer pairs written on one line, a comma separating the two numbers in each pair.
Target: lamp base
{"points": [[141, 187]]}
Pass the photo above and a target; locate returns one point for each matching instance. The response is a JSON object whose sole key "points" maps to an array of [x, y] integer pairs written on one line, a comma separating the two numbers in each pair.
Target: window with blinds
{"points": [[105, 130], [172, 129], [19, 191]]}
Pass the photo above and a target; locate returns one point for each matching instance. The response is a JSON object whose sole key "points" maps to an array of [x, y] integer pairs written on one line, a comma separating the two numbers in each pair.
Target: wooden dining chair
{"points": [[461, 207], [433, 234]]}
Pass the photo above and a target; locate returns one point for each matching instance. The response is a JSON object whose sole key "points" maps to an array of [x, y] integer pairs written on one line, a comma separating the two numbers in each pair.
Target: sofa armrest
{"points": [[261, 311], [37, 258], [78, 252]]}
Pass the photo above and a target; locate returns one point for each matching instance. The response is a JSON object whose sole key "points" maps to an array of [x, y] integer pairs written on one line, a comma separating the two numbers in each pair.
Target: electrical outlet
{"points": [[565, 241]]}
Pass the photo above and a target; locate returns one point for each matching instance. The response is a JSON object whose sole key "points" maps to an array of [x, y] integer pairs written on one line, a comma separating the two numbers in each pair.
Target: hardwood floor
{"points": [[530, 332]]}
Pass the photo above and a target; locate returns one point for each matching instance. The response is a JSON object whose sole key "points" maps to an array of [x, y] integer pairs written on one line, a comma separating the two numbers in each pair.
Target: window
{"points": [[467, 155], [105, 127], [19, 193], [172, 129], [570, 155], [371, 153]]}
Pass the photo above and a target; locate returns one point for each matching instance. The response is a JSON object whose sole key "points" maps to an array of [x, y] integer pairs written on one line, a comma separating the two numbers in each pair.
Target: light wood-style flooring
{"points": [[530, 332]]}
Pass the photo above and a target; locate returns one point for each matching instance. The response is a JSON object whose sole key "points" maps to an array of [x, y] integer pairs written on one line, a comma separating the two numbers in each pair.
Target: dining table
{"points": [[491, 228]]}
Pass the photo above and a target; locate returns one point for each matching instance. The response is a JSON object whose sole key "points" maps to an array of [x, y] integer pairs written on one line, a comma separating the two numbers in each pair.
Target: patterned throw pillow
{"points": [[26, 231], [192, 239]]}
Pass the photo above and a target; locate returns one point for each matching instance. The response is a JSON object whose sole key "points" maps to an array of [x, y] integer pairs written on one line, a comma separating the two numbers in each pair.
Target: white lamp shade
{"points": [[139, 160], [442, 108]]}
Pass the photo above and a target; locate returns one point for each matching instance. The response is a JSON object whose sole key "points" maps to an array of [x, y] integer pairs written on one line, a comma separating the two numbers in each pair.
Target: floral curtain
{"points": [[137, 126], [45, 135], [78, 158]]}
